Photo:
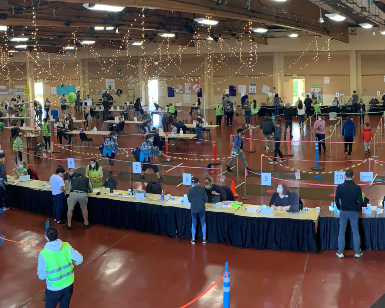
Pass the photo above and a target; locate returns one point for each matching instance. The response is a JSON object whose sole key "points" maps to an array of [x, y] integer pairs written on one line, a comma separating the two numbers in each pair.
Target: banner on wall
{"points": [[187, 88], [110, 83], [200, 92], [252, 89], [26, 90], [232, 91], [170, 92], [316, 92]]}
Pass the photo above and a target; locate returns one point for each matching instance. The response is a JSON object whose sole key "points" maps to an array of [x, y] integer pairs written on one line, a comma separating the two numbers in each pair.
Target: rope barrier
{"points": [[3, 238]]}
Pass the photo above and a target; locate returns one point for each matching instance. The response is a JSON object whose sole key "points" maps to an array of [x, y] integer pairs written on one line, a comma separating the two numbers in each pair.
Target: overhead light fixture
{"points": [[259, 30], [109, 28], [280, 0], [87, 42], [366, 25], [137, 43], [167, 34], [12, 51], [19, 39], [205, 21], [69, 47], [3, 28], [99, 28], [382, 32], [103, 7], [335, 17], [292, 34], [21, 46], [209, 38]]}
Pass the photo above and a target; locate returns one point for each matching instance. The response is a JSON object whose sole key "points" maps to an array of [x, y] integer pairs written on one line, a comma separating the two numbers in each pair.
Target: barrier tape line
{"points": [[316, 172], [201, 295], [3, 238]]}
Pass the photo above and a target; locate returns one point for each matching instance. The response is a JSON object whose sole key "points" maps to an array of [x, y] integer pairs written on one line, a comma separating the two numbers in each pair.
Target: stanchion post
{"points": [[251, 140], [288, 144], [317, 167], [166, 149], [311, 131], [374, 156], [330, 143], [244, 188], [226, 287], [238, 167], [55, 149]]}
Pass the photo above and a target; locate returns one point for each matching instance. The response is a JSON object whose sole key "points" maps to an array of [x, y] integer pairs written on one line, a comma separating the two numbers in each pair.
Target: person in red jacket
{"points": [[33, 174], [367, 135]]}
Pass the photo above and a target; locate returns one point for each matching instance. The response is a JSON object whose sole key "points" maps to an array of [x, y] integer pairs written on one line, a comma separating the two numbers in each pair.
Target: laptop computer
{"points": [[213, 199], [24, 178]]}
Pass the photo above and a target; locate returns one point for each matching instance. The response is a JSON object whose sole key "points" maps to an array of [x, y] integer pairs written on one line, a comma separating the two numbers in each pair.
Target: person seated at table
{"points": [[213, 189], [95, 173], [374, 101], [22, 114], [174, 129], [126, 110], [350, 101], [179, 124], [145, 157], [282, 199], [21, 169], [335, 102], [317, 109], [32, 174]]}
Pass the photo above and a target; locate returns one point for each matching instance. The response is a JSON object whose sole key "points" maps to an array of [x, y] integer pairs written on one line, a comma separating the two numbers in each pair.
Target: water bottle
{"points": [[300, 212], [335, 207], [81, 129], [162, 196]]}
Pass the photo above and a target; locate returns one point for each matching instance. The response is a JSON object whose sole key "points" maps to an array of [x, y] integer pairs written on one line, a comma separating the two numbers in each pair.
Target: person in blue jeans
{"points": [[58, 194], [348, 132], [197, 197], [276, 104], [198, 128]]}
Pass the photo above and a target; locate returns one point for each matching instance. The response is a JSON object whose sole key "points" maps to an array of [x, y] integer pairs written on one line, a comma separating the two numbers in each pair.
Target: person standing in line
{"points": [[277, 143], [307, 104], [254, 109], [77, 103], [145, 158], [355, 102], [79, 187], [22, 114], [197, 197], [276, 104], [106, 106], [367, 136], [361, 110], [18, 146], [46, 132], [58, 193], [110, 149], [348, 132], [301, 113], [237, 151], [288, 121], [219, 114], [349, 201], [63, 102], [319, 127], [198, 128], [56, 266], [47, 105], [247, 108], [94, 173], [268, 128], [229, 113]]}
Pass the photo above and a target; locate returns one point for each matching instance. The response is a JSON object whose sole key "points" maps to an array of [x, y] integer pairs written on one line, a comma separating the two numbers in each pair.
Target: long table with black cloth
{"points": [[234, 226]]}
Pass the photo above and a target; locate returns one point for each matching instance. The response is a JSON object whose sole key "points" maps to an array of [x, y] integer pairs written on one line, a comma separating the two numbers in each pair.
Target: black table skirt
{"points": [[372, 232], [243, 232]]}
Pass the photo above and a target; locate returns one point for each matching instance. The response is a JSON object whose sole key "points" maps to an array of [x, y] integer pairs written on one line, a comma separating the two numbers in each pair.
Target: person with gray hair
{"points": [[197, 197], [349, 201]]}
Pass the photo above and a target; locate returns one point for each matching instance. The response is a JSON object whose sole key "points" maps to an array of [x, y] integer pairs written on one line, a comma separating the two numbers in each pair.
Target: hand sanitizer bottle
{"points": [[162, 196], [300, 212]]}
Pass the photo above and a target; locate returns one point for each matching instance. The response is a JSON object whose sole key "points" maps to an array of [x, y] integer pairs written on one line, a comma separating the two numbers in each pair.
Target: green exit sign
{"points": [[294, 75]]}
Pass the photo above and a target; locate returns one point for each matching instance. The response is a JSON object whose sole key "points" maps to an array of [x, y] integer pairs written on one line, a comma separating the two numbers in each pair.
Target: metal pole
{"points": [[317, 167], [238, 179], [226, 287], [330, 144], [369, 164], [261, 163], [244, 188], [374, 156], [311, 132]]}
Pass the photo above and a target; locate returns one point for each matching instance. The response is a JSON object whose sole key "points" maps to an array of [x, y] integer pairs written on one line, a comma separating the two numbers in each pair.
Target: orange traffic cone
{"points": [[233, 189]]}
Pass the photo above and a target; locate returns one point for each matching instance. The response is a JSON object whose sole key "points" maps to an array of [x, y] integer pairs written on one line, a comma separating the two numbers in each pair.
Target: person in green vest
{"points": [[56, 265], [172, 110], [219, 113], [46, 131], [21, 169], [254, 108], [22, 114], [317, 109], [18, 146], [95, 173]]}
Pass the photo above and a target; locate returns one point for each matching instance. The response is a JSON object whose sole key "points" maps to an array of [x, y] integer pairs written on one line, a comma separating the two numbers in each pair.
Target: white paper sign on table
{"points": [[136, 167], [366, 177], [339, 177], [266, 179], [187, 179], [71, 163]]}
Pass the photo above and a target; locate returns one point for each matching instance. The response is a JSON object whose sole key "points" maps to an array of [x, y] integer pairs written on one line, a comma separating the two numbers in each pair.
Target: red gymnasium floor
{"points": [[123, 268]]}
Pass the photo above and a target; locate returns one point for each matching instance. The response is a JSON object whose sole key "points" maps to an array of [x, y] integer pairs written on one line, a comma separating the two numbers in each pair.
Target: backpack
{"points": [[136, 153], [229, 194], [153, 188], [110, 183], [300, 105]]}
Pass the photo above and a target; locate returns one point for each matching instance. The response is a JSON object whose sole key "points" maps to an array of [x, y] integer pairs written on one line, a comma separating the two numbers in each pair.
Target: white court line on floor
{"points": [[179, 184], [174, 167], [226, 170], [239, 185]]}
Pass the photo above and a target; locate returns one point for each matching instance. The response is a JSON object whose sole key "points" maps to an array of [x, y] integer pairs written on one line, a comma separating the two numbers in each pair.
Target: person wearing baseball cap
{"points": [[197, 197], [349, 201]]}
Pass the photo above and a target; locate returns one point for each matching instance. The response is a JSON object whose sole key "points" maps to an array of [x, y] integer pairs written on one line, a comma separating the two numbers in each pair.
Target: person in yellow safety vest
{"points": [[56, 265], [46, 131], [95, 173], [21, 169], [254, 108], [22, 114], [18, 146], [219, 113], [172, 110]]}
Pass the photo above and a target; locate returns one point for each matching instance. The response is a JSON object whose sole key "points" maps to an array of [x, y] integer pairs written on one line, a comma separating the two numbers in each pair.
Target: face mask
{"points": [[20, 166], [93, 165], [207, 186], [279, 190]]}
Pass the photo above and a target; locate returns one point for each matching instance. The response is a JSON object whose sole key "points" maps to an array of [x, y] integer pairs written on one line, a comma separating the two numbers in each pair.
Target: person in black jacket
{"points": [[288, 121], [349, 201], [361, 111], [282, 199], [197, 197], [268, 128], [213, 189], [277, 144], [308, 103]]}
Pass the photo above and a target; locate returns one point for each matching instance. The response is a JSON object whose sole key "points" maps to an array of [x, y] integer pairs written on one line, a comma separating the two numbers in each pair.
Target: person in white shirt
{"points": [[58, 193], [301, 112]]}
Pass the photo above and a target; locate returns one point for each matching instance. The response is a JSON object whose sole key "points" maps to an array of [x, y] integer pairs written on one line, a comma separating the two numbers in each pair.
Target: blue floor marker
{"points": [[318, 176], [378, 180]]}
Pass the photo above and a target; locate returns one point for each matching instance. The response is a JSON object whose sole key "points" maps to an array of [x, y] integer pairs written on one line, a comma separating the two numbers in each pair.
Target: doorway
{"points": [[39, 95], [153, 96], [294, 88]]}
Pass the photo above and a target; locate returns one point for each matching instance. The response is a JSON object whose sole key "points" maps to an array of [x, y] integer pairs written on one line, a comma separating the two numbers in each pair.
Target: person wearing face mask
{"points": [[238, 151], [18, 146], [21, 169], [198, 128], [110, 149], [197, 197], [56, 266], [282, 199], [213, 189], [70, 174], [58, 194], [361, 112], [319, 127], [95, 173], [145, 158]]}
